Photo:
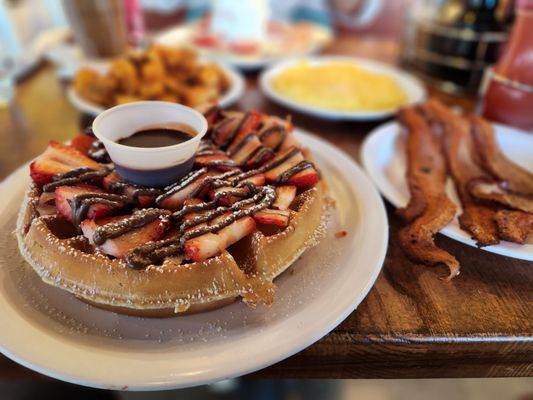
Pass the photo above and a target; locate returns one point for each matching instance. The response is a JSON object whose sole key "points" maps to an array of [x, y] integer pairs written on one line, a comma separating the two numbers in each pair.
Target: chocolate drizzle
{"points": [[287, 175], [137, 190], [154, 252], [74, 177], [81, 203], [176, 187], [137, 220], [98, 152]]}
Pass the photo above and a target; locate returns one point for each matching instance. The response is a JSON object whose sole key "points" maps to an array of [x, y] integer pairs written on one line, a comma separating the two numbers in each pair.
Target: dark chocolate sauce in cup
{"points": [[152, 137], [159, 137]]}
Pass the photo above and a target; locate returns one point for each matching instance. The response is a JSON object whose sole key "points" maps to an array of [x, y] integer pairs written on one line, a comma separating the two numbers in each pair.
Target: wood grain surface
{"points": [[411, 324]]}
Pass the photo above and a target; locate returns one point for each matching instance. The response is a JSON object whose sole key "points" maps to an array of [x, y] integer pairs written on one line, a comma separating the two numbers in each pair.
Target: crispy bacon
{"points": [[514, 226], [494, 161], [478, 219], [429, 208], [490, 190]]}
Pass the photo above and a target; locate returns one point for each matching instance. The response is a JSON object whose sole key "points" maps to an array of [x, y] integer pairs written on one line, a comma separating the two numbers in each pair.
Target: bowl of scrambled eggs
{"points": [[341, 87]]}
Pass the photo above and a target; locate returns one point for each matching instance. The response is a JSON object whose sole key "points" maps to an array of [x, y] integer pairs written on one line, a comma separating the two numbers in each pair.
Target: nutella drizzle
{"points": [[81, 203], [98, 152], [176, 187], [74, 177], [241, 144], [285, 176], [136, 220]]}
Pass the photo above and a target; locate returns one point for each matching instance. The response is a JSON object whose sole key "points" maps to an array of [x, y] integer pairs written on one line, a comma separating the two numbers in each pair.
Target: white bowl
{"points": [[153, 166]]}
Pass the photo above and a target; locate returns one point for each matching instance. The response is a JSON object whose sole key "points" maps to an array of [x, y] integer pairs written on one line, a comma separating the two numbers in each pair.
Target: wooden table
{"points": [[411, 325]]}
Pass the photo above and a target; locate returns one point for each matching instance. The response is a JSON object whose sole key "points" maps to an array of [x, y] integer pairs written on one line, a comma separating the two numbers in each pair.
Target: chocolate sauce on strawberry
{"points": [[81, 203], [154, 252], [74, 177], [241, 144], [287, 175], [120, 187], [137, 220], [276, 129]]}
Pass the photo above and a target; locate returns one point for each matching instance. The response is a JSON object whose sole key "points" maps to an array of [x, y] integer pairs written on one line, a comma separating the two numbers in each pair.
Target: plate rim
{"points": [[372, 140], [266, 87], [380, 225], [235, 92]]}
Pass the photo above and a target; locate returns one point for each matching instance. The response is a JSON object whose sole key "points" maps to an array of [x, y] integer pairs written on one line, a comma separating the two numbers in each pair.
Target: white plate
{"points": [[233, 94], [383, 156], [48, 330], [412, 87], [180, 36]]}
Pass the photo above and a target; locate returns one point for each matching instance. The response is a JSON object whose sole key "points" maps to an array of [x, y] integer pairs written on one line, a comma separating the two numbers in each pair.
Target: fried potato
{"points": [[159, 73]]}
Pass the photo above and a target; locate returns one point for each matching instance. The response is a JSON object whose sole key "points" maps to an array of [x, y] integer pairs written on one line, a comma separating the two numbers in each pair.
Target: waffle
{"points": [[179, 276]]}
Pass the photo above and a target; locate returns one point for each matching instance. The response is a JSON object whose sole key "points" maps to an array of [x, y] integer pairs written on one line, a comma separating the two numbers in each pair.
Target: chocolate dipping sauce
{"points": [[159, 137]]}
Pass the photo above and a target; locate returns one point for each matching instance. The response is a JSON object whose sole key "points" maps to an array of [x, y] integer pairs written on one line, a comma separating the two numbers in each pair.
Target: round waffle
{"points": [[177, 283]]}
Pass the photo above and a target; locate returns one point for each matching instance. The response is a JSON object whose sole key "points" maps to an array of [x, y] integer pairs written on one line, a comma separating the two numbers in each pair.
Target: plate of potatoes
{"points": [[157, 73]]}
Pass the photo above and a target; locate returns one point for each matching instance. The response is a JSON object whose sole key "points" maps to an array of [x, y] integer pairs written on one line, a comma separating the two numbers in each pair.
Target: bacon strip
{"points": [[492, 159], [429, 208], [491, 190], [478, 219], [514, 226]]}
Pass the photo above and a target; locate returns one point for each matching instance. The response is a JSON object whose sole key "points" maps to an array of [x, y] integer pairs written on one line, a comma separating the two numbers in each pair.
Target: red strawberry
{"points": [[218, 161], [212, 114], [247, 146], [235, 195], [244, 47], [65, 193], [58, 158], [306, 178], [273, 217], [296, 157], [144, 200], [206, 40], [257, 180], [120, 246], [260, 156], [291, 141], [284, 197], [175, 201], [273, 136], [211, 244], [82, 142]]}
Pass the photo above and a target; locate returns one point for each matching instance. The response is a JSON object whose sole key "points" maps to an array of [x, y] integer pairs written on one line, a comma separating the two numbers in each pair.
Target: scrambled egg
{"points": [[339, 86]]}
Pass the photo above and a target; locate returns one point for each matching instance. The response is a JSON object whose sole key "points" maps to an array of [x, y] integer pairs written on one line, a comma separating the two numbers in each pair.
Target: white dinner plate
{"points": [[48, 330], [232, 95], [383, 156], [412, 87], [181, 36]]}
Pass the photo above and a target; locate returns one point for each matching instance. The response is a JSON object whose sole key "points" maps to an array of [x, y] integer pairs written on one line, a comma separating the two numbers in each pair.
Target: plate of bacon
{"points": [[456, 174]]}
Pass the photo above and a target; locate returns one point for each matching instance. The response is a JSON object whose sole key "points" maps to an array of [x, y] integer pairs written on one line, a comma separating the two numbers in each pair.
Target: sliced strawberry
{"points": [[284, 197], [211, 244], [234, 194], [245, 148], [58, 158], [212, 114], [224, 131], [305, 179], [257, 180], [144, 201], [293, 157], [64, 194], [249, 122], [175, 200], [259, 157], [121, 245], [291, 141], [82, 143], [273, 217], [273, 136], [218, 161]]}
